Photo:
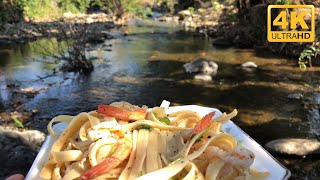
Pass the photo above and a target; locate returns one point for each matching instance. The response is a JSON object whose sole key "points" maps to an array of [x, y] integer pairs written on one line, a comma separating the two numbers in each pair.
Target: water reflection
{"points": [[4, 94]]}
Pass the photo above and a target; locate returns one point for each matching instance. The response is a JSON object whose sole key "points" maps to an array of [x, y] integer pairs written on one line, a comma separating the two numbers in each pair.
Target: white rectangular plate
{"points": [[262, 162]]}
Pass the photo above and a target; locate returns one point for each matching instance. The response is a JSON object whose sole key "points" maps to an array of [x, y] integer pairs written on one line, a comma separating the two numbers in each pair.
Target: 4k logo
{"points": [[294, 23]]}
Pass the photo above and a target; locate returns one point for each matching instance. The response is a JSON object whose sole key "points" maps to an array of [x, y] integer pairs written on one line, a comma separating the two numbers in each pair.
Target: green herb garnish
{"points": [[165, 120], [174, 161], [201, 135], [17, 122], [113, 149], [155, 115], [147, 127]]}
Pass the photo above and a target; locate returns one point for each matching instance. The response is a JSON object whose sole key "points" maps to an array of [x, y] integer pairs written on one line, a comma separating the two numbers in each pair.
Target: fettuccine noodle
{"points": [[126, 142]]}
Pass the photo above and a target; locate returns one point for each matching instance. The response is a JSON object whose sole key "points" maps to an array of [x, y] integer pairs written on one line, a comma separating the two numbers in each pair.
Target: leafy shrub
{"points": [[10, 11], [215, 5], [281, 2], [191, 10], [307, 55], [40, 9], [51, 9], [120, 7], [74, 6]]}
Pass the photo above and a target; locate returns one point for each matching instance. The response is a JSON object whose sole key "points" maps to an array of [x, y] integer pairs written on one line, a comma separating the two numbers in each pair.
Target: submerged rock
{"points": [[297, 147], [202, 66], [203, 77], [184, 13], [203, 69], [221, 41], [249, 65], [296, 96]]}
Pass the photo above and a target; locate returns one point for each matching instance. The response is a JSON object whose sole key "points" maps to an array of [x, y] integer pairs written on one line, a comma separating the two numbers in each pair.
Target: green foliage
{"points": [[10, 11], [40, 9], [74, 6], [281, 2], [215, 4], [191, 10], [122, 7], [170, 4], [143, 12], [307, 55], [45, 9]]}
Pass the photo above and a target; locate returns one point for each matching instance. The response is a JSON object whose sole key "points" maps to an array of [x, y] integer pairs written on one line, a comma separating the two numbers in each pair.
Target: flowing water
{"points": [[146, 67]]}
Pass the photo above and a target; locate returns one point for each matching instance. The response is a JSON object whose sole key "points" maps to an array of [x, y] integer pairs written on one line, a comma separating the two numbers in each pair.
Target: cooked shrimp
{"points": [[134, 113], [203, 124], [109, 129], [239, 157], [121, 153], [105, 130]]}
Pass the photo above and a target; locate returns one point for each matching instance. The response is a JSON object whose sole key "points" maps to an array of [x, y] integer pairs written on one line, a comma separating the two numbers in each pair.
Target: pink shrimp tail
{"points": [[120, 154], [203, 124], [101, 168]]}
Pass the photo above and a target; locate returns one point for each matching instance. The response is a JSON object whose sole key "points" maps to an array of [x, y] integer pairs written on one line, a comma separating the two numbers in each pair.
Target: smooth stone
{"points": [[156, 15], [298, 147], [19, 149], [295, 96], [249, 65], [202, 66], [184, 13], [203, 77]]}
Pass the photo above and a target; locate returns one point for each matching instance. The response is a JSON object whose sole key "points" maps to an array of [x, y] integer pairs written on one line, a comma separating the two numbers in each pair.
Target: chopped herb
{"points": [[17, 122], [174, 161], [113, 149], [155, 115], [165, 120], [147, 127], [200, 137]]}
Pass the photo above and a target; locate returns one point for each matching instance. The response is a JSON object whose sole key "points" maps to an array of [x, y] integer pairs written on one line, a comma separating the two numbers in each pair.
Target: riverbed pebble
{"points": [[203, 77], [295, 96], [294, 146], [201, 66], [249, 64]]}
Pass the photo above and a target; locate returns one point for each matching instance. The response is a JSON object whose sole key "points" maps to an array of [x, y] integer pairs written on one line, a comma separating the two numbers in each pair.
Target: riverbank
{"points": [[231, 24], [228, 24], [96, 27]]}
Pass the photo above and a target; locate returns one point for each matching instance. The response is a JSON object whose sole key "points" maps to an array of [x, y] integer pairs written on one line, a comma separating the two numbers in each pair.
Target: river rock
{"points": [[249, 65], [296, 96], [201, 66], [203, 77], [298, 147], [18, 149], [184, 13]]}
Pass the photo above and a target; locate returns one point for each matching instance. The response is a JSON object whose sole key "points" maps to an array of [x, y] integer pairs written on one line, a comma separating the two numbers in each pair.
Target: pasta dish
{"points": [[124, 141]]}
